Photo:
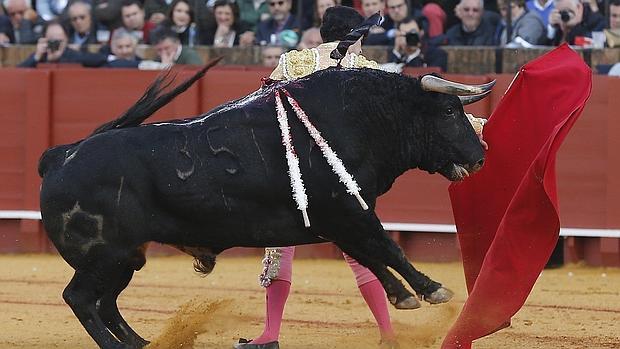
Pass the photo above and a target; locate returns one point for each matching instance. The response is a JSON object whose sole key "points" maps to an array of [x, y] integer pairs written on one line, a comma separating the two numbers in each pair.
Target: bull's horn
{"points": [[437, 84], [471, 99]]}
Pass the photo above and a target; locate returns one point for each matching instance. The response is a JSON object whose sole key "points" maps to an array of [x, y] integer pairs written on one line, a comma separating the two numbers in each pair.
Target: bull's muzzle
{"points": [[460, 172]]}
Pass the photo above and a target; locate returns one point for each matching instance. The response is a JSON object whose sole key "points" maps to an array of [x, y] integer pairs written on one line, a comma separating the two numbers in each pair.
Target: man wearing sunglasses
{"points": [[268, 31]]}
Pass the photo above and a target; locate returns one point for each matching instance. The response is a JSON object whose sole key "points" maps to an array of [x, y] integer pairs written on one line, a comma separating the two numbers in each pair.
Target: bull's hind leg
{"points": [[82, 295], [109, 313]]}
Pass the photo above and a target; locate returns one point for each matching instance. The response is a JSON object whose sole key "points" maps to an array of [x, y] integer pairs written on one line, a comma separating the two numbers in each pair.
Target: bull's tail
{"points": [[153, 99]]}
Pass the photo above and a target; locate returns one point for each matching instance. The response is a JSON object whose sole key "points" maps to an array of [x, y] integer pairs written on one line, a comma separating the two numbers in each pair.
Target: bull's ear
{"points": [[434, 83]]}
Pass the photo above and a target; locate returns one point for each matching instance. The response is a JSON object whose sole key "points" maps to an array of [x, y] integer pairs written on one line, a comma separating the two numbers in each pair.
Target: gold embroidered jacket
{"points": [[297, 64]]}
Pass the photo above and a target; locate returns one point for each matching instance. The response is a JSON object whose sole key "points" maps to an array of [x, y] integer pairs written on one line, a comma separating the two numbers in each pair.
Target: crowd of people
{"points": [[414, 30]]}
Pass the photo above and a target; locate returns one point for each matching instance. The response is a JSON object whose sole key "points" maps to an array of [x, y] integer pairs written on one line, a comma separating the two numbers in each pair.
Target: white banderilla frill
{"points": [[297, 184]]}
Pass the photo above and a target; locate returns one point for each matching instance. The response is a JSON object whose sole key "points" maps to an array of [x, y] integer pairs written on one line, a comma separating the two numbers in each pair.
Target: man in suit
{"points": [[82, 32], [268, 31]]}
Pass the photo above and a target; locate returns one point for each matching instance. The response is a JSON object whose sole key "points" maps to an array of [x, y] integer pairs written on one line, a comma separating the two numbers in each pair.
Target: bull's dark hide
{"points": [[220, 180]]}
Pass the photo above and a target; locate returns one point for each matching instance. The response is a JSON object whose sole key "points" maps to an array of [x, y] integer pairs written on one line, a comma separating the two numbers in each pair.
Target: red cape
{"points": [[507, 214]]}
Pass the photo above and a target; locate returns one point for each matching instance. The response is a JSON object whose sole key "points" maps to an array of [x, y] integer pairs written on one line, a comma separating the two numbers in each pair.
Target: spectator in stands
{"points": [[107, 13], [170, 50], [269, 32], [572, 22], [52, 48], [474, 29], [370, 7], [542, 8], [133, 20], [311, 38], [82, 31], [157, 10], [612, 32], [614, 15], [436, 19], [527, 27], [51, 9], [410, 50], [253, 12], [594, 5], [123, 44], [228, 31], [24, 25], [181, 20], [397, 11], [319, 10], [271, 55]]}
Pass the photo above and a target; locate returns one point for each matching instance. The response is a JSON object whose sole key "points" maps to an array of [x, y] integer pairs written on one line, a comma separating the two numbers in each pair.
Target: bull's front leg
{"points": [[428, 289], [396, 292], [366, 236]]}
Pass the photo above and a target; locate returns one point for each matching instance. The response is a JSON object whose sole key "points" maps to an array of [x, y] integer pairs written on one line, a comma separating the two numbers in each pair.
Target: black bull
{"points": [[220, 180]]}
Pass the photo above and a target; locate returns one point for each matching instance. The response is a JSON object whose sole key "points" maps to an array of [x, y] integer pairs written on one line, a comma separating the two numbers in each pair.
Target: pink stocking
{"points": [[275, 298], [374, 295]]}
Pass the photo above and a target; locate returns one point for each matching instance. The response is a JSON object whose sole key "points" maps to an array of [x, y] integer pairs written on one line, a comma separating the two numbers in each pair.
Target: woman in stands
{"points": [[228, 27], [181, 19]]}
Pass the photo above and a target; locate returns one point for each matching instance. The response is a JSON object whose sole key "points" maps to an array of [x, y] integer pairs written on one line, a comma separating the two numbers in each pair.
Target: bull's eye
{"points": [[449, 111]]}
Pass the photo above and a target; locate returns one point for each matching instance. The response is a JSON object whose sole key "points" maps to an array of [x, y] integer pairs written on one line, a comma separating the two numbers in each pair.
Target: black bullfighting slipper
{"points": [[245, 344]]}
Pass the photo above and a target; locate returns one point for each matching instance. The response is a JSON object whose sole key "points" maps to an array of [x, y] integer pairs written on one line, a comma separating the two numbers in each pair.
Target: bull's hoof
{"points": [[408, 303], [245, 344], [389, 344], [442, 295]]}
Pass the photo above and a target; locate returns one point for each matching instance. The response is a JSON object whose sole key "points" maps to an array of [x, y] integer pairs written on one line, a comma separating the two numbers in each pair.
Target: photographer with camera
{"points": [[572, 22], [52, 48], [410, 50]]}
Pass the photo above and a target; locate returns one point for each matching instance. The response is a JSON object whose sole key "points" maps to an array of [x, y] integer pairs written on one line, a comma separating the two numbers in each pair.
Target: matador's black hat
{"points": [[354, 31]]}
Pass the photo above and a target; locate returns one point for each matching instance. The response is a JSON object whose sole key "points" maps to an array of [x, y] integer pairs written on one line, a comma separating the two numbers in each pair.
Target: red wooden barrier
{"points": [[45, 107]]}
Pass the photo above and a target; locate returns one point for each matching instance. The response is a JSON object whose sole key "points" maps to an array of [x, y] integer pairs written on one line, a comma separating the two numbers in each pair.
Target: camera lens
{"points": [[53, 45], [413, 39], [565, 16]]}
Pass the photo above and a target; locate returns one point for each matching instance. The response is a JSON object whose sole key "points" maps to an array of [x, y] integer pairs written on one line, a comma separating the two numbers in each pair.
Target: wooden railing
{"points": [[461, 59]]}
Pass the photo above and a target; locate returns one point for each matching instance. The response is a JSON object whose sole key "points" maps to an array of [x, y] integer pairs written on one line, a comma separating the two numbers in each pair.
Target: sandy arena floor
{"points": [[572, 307]]}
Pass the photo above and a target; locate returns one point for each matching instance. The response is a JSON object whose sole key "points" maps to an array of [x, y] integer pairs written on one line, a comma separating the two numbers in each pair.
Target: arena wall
{"points": [[44, 107]]}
